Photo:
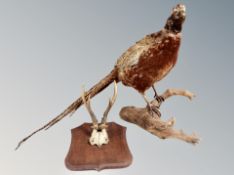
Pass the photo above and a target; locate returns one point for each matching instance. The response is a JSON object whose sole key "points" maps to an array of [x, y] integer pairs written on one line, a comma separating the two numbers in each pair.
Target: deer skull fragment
{"points": [[99, 135]]}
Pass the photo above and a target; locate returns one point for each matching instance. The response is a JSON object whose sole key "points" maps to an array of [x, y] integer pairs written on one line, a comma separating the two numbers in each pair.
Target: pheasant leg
{"points": [[152, 108], [157, 97]]}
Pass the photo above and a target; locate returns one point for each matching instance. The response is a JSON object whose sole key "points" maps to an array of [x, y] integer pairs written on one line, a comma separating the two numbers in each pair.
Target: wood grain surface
{"points": [[83, 156]]}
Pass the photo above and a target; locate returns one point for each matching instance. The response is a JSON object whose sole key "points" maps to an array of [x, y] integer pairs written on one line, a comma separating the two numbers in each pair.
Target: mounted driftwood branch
{"points": [[154, 124]]}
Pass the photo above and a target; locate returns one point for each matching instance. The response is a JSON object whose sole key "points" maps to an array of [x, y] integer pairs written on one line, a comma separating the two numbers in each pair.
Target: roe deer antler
{"points": [[110, 104], [90, 111], [99, 135]]}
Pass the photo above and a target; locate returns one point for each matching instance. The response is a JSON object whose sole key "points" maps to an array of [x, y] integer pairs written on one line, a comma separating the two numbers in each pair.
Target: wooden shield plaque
{"points": [[83, 156]]}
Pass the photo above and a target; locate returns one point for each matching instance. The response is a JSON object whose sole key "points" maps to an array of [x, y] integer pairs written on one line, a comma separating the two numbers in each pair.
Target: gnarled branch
{"points": [[154, 124]]}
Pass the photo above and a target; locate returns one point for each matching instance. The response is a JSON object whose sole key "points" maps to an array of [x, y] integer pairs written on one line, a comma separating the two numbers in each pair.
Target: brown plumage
{"points": [[149, 60], [142, 65]]}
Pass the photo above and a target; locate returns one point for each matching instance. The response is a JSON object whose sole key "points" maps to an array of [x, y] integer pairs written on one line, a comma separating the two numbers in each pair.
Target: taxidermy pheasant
{"points": [[146, 62]]}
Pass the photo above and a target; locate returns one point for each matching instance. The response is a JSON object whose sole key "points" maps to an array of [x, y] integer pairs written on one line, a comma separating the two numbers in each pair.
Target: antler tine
{"points": [[89, 109], [110, 104]]}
